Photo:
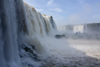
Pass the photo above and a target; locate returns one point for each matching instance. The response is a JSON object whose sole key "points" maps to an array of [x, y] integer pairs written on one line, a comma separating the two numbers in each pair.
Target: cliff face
{"points": [[21, 28]]}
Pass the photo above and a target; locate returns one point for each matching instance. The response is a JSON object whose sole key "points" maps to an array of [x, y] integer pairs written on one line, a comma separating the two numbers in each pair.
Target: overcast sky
{"points": [[69, 11]]}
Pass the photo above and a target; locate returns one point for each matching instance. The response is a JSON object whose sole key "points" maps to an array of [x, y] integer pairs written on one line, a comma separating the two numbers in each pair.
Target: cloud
{"points": [[57, 10], [50, 2], [39, 10]]}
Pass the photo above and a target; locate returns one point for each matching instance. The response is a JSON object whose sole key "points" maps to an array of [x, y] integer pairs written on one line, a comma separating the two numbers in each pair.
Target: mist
{"points": [[29, 38]]}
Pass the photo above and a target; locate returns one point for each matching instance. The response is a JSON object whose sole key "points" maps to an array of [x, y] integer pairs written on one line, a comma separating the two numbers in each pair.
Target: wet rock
{"points": [[29, 65], [28, 51], [59, 36]]}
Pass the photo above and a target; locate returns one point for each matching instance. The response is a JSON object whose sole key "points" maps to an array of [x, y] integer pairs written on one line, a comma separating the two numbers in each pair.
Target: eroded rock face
{"points": [[28, 56], [28, 51]]}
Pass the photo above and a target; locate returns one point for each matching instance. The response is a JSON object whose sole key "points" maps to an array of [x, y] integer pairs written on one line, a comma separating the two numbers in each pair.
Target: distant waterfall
{"points": [[78, 29], [20, 24]]}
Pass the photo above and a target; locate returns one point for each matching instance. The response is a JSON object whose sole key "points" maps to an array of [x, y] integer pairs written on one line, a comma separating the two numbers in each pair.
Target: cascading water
{"points": [[39, 26], [27, 40], [78, 29], [21, 28], [50, 25], [11, 24]]}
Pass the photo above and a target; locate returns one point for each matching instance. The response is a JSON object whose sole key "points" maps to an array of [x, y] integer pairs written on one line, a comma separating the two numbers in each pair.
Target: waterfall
{"points": [[78, 29], [40, 26], [49, 24], [21, 24], [11, 28]]}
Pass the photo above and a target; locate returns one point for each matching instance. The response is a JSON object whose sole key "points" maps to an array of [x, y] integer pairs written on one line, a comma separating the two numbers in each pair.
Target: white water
{"points": [[41, 29], [79, 29], [22, 24], [70, 52], [39, 25]]}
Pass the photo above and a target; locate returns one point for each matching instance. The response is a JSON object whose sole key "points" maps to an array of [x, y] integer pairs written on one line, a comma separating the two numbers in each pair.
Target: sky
{"points": [[68, 12]]}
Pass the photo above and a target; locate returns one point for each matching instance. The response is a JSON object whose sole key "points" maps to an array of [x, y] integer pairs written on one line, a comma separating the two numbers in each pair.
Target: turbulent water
{"points": [[21, 31], [27, 39]]}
